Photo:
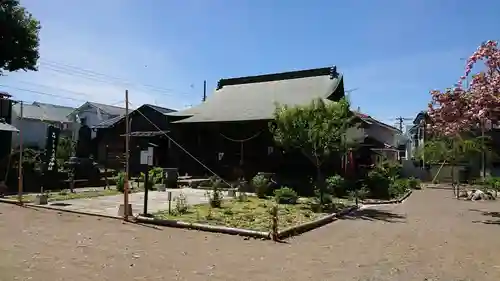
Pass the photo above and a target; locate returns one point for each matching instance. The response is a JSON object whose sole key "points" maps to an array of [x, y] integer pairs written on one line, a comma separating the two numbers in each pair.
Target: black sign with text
{"points": [[50, 163]]}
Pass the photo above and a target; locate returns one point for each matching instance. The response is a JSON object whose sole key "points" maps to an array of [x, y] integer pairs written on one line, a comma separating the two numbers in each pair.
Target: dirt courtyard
{"points": [[429, 237]]}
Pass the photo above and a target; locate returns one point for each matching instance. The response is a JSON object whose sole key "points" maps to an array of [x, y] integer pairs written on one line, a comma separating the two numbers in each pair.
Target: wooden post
{"points": [[20, 166], [146, 189], [106, 166], [127, 154]]}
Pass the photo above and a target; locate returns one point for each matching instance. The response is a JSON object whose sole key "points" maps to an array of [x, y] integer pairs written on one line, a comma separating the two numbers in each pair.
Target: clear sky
{"points": [[392, 51]]}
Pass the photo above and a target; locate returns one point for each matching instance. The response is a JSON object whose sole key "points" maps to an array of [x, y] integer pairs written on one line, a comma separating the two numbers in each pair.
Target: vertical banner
{"points": [[50, 163]]}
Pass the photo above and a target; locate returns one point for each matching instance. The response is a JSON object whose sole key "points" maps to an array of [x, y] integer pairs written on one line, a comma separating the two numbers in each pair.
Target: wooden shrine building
{"points": [[229, 132]]}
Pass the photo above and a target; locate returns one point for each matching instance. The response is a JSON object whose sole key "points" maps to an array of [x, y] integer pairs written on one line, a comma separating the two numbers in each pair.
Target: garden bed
{"points": [[66, 195], [252, 213]]}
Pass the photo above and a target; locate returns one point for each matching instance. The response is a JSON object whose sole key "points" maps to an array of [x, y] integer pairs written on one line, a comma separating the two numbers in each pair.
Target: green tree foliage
{"points": [[452, 150], [319, 130], [19, 40], [64, 150]]}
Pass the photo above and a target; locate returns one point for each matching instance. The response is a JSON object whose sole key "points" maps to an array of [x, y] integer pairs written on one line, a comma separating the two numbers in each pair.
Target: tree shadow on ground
{"points": [[494, 215], [375, 215], [440, 187]]}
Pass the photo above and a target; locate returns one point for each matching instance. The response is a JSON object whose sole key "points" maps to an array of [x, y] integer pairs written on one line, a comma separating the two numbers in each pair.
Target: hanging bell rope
{"points": [[241, 143], [242, 140]]}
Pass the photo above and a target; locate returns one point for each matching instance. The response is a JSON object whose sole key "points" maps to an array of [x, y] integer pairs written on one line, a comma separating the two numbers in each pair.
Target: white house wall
{"points": [[382, 134], [92, 119]]}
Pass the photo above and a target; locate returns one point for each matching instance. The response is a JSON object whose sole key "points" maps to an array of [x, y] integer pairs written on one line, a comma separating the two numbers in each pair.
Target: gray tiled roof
{"points": [[110, 109], [160, 109], [109, 122], [7, 127], [255, 97], [44, 111], [112, 121]]}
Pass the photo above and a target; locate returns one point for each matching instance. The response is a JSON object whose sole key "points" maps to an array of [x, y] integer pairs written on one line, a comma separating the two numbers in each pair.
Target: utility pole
{"points": [[204, 90], [400, 120], [20, 166], [127, 154]]}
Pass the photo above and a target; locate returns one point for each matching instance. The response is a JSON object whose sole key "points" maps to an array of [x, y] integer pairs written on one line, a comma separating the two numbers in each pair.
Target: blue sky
{"points": [[394, 52]]}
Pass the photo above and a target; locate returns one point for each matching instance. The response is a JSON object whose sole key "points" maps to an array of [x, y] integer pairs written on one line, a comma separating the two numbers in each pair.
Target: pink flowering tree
{"points": [[462, 110], [466, 107], [484, 89]]}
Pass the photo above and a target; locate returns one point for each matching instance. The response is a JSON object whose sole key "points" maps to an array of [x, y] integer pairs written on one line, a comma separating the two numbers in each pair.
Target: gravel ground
{"points": [[429, 236]]}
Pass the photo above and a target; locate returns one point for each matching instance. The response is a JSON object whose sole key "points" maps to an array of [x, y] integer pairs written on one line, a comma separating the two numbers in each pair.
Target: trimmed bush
{"points": [[414, 183], [260, 183], [286, 195], [336, 186], [398, 187]]}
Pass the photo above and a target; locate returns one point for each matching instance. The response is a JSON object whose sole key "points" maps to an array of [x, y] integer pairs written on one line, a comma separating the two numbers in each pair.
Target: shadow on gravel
{"points": [[439, 187], [494, 215], [375, 215]]}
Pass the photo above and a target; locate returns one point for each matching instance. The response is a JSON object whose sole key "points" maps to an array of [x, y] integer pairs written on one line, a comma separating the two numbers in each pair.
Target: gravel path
{"points": [[429, 236]]}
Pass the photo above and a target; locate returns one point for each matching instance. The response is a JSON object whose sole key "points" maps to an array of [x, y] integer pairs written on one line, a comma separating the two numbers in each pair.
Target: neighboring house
{"points": [[36, 117], [149, 123], [387, 138], [92, 114], [416, 134]]}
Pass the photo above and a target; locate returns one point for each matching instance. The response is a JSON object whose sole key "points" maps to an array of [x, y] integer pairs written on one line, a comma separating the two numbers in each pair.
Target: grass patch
{"points": [[252, 213], [66, 195]]}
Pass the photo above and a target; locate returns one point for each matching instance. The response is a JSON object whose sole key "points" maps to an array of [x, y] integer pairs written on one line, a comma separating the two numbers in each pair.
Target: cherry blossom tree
{"points": [[465, 108], [484, 89]]}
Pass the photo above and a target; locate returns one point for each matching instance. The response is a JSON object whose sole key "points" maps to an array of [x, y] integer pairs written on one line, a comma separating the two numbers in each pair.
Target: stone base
{"points": [[121, 210], [41, 199]]}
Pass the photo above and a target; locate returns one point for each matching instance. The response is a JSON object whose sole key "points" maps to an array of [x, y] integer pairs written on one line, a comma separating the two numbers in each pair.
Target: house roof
{"points": [[44, 111], [421, 115], [370, 120], [7, 127], [255, 97], [160, 109], [110, 109], [110, 122]]}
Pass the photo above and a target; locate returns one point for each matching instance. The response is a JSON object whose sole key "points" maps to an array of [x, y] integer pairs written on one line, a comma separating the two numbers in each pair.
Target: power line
{"points": [[97, 76], [53, 95], [181, 147], [52, 87], [42, 93]]}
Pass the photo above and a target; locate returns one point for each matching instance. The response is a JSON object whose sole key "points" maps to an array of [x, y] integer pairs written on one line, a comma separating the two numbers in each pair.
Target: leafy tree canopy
{"points": [[318, 129], [452, 149], [19, 40]]}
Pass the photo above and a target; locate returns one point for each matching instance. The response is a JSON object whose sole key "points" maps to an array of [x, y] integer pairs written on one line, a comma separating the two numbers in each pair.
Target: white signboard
{"points": [[147, 157]]}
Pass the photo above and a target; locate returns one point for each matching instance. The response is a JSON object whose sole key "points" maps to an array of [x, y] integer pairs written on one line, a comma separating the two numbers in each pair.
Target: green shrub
{"points": [[181, 204], [286, 195], [391, 169], [260, 183], [120, 182], [378, 183], [336, 186], [398, 187], [361, 193], [414, 183], [215, 197], [155, 176]]}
